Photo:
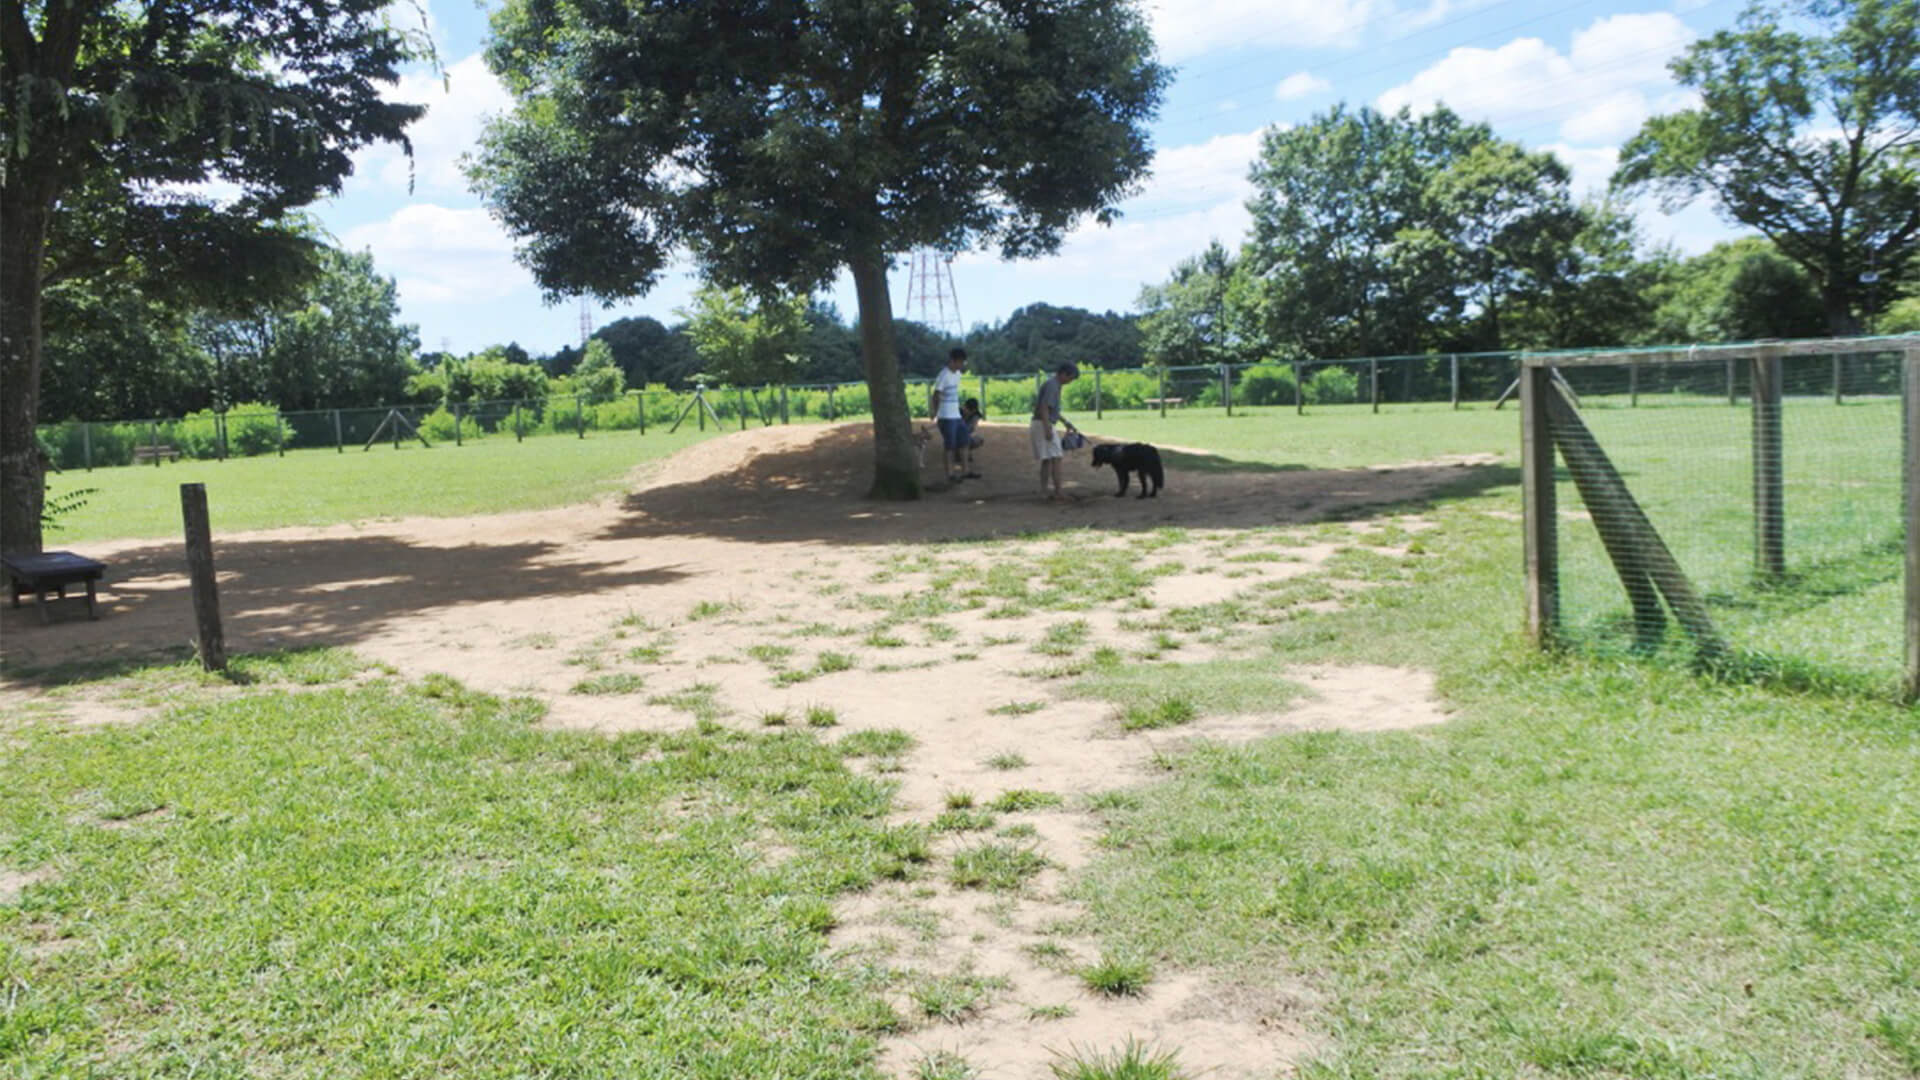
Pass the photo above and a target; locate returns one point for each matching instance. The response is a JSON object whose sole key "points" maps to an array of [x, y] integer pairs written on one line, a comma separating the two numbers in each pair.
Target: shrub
{"points": [[252, 428], [1333, 386], [1265, 384], [437, 426], [66, 444]]}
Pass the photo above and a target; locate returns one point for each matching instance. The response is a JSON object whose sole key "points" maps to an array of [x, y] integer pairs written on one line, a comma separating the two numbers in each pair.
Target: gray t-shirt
{"points": [[1047, 405]]}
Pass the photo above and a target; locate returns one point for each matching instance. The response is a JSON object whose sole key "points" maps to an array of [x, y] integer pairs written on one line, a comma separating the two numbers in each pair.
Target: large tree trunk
{"points": [[23, 238], [1839, 305], [896, 471]]}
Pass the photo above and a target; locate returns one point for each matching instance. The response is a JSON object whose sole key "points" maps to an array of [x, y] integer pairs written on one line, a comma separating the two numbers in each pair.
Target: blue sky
{"points": [[1573, 77]]}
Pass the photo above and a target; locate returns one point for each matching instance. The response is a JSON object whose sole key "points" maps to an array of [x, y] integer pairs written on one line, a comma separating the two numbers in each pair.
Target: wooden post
{"points": [[280, 432], [1733, 397], [394, 416], [784, 418], [518, 435], [86, 443], [700, 404], [1769, 511], [1540, 512], [1453, 376], [640, 408], [209, 641], [740, 402], [153, 440], [220, 435], [1836, 379], [456, 425], [580, 416], [1633, 385], [983, 394], [1910, 485], [1163, 391], [831, 414], [1373, 382], [339, 440], [1226, 387], [1299, 391], [1098, 413]]}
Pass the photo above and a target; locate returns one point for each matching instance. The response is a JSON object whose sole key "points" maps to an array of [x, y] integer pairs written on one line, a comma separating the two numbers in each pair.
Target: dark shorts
{"points": [[953, 433]]}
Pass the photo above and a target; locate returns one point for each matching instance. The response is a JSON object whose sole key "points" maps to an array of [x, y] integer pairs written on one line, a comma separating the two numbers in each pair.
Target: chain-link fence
{"points": [[1738, 507]]}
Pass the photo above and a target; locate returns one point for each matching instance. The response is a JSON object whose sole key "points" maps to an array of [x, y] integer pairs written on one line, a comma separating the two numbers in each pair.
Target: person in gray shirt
{"points": [[1046, 442]]}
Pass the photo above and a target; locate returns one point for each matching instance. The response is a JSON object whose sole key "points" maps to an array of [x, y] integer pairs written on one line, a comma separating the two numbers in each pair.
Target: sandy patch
{"points": [[747, 579], [15, 882]]}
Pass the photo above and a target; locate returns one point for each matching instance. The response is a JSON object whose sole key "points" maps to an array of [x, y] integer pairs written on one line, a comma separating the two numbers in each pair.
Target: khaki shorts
{"points": [[1046, 442]]}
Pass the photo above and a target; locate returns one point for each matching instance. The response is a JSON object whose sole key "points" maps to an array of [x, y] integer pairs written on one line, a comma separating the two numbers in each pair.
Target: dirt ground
{"points": [[734, 578]]}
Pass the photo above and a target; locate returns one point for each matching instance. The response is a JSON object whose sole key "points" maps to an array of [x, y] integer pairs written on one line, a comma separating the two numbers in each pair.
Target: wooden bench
{"points": [[1154, 402], [51, 572], [155, 452]]}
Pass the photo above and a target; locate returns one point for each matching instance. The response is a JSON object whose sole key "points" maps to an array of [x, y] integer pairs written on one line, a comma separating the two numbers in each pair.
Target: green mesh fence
{"points": [[1794, 555]]}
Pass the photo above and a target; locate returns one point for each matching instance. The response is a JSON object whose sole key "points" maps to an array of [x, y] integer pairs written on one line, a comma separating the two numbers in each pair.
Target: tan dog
{"points": [[922, 437]]}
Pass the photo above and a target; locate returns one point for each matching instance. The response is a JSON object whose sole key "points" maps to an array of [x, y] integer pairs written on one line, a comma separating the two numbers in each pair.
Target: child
{"points": [[970, 417]]}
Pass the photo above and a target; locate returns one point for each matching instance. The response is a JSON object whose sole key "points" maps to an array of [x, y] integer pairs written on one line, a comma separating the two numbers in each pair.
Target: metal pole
{"points": [[339, 443], [518, 434], [280, 431], [579, 416], [1226, 387], [153, 440], [1836, 379], [784, 418], [456, 425], [740, 402], [831, 415], [1633, 385], [1299, 391], [86, 443], [983, 393], [220, 434], [1163, 391], [1732, 397], [1373, 383], [1097, 411]]}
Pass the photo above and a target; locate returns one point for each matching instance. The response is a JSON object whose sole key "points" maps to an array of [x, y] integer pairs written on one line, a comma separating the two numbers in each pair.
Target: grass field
{"points": [[1596, 868], [321, 487]]}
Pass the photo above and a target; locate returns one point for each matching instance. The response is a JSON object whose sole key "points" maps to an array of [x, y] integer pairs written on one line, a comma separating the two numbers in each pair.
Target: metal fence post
{"points": [[280, 431], [86, 443], [1098, 413], [640, 408], [1769, 508], [1226, 387], [1732, 396], [983, 394], [518, 434], [740, 402], [1373, 383], [456, 425], [1453, 376], [220, 434], [580, 416], [153, 440], [1910, 487], [1163, 391], [1299, 390], [784, 418], [1836, 379], [832, 414], [1633, 385], [339, 442]]}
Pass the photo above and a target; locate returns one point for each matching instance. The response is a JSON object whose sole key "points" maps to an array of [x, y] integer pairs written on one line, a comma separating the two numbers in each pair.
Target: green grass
{"points": [[995, 866], [1595, 868], [1007, 761], [1328, 437], [1133, 1061], [623, 682], [387, 881], [1017, 708], [320, 487], [1183, 691], [1117, 975], [1021, 799], [1161, 713]]}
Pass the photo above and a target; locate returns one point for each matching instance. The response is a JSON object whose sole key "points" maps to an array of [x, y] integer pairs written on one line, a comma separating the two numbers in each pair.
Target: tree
{"points": [[1811, 139], [597, 377], [782, 142], [744, 340], [1741, 290], [107, 109], [1184, 321]]}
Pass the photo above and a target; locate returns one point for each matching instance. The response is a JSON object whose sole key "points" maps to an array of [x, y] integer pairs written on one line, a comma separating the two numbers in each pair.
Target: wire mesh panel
{"points": [[1765, 534]]}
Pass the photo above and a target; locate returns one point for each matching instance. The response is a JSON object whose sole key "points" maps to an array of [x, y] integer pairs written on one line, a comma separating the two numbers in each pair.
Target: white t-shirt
{"points": [[947, 385]]}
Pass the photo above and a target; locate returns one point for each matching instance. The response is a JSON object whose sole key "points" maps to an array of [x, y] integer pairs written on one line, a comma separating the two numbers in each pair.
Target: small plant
{"points": [[1007, 761], [1019, 799], [963, 821], [937, 632], [1049, 1012], [810, 914], [633, 620], [995, 866], [1062, 639], [707, 609], [821, 716], [829, 662], [959, 800], [770, 655], [1050, 954], [1113, 800], [700, 700], [881, 639], [875, 744], [1166, 712], [952, 998], [943, 1065], [781, 718], [620, 682], [647, 654], [1022, 831], [1017, 708], [1106, 656], [1131, 1062], [1117, 975], [790, 678]]}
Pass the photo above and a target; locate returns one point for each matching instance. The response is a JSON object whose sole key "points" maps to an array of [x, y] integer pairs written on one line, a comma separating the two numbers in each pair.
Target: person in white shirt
{"points": [[943, 402]]}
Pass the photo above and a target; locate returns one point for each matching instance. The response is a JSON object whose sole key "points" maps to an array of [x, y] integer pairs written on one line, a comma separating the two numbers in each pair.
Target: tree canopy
{"points": [[111, 111], [1811, 138], [781, 142]]}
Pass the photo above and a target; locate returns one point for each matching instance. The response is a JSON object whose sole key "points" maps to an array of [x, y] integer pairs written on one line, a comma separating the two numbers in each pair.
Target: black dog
{"points": [[1133, 457]]}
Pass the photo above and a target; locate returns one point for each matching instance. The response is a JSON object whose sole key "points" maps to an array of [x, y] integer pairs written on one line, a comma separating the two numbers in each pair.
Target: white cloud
{"points": [[457, 109], [1200, 172], [1592, 166], [1597, 90], [438, 254], [1300, 84], [1186, 29]]}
